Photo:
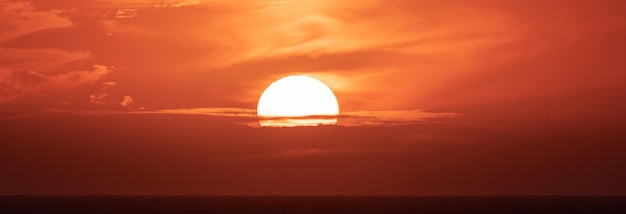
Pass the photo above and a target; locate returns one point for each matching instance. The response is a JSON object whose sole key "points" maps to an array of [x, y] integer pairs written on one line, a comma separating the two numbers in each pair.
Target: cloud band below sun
{"points": [[348, 119]]}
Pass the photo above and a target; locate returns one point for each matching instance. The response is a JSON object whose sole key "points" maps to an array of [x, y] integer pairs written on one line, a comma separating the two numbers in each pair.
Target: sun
{"points": [[297, 101]]}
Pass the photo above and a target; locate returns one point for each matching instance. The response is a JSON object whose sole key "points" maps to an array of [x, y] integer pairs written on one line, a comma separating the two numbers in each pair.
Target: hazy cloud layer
{"points": [[405, 54]]}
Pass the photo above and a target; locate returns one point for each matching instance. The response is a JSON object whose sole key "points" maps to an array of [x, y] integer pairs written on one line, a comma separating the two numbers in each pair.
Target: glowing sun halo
{"points": [[288, 101]]}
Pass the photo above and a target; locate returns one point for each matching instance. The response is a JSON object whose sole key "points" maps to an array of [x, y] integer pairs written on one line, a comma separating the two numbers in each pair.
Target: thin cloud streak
{"points": [[390, 118], [347, 119], [152, 3], [298, 153]]}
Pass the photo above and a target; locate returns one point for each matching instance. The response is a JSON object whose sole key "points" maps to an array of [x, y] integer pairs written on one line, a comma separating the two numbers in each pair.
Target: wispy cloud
{"points": [[101, 98], [365, 45], [228, 112], [152, 3], [107, 98], [18, 18], [348, 119], [180, 3], [126, 101], [15, 84], [299, 153], [108, 85], [390, 118], [318, 28], [125, 13], [38, 59]]}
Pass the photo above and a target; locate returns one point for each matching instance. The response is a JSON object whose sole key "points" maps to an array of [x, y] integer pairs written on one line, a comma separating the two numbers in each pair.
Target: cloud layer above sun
{"points": [[376, 55]]}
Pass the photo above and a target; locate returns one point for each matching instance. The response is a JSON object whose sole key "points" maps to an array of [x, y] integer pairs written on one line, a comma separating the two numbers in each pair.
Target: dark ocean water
{"points": [[309, 204]]}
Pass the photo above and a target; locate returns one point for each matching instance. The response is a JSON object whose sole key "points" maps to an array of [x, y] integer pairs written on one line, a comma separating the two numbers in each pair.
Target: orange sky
{"points": [[436, 97]]}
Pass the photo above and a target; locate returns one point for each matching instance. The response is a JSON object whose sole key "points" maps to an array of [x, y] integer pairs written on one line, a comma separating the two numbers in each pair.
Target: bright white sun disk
{"points": [[297, 96]]}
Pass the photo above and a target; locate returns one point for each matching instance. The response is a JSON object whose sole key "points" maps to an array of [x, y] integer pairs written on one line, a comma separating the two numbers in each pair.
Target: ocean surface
{"points": [[310, 204]]}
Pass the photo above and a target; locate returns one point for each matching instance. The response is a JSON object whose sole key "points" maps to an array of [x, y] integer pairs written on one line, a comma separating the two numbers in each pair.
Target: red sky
{"points": [[436, 97]]}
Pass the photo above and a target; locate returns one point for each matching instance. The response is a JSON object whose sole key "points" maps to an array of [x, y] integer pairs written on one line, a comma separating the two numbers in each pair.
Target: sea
{"points": [[311, 204]]}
